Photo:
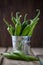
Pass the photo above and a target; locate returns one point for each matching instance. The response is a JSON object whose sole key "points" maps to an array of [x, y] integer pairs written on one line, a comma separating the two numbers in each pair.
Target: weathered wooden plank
{"points": [[37, 51], [10, 49], [1, 51], [1, 57], [16, 62], [41, 59]]}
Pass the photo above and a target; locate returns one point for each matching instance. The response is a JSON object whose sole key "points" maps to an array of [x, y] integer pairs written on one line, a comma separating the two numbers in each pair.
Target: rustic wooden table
{"points": [[4, 61]]}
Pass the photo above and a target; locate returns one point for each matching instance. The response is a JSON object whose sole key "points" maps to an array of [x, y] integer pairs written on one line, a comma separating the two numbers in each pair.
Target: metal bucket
{"points": [[21, 43]]}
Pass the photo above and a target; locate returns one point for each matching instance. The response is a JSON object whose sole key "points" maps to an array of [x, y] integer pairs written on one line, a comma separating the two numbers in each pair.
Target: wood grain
{"points": [[37, 51], [1, 51], [16, 62]]}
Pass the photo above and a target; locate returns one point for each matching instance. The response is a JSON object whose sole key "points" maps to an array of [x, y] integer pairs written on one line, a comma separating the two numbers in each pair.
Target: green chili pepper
{"points": [[10, 28], [33, 23], [17, 29], [18, 55], [26, 30], [32, 27]]}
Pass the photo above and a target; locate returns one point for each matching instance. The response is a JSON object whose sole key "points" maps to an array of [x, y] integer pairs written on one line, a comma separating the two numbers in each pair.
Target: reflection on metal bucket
{"points": [[21, 43]]}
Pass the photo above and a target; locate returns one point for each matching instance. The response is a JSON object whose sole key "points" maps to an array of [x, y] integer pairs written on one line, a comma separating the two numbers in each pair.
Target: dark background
{"points": [[23, 6]]}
